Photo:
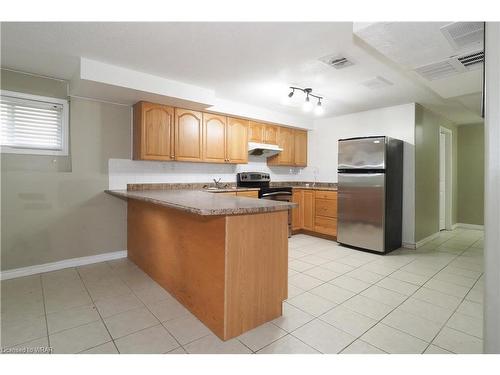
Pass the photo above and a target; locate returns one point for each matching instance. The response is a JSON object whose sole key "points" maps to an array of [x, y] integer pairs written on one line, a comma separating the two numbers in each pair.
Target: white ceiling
{"points": [[253, 63]]}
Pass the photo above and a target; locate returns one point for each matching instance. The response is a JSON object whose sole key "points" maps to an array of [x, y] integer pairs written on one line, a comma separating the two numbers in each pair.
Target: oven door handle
{"points": [[276, 193]]}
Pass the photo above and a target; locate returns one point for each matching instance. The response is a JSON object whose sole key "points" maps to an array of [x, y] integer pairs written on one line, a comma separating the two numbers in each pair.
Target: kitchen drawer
{"points": [[250, 194], [325, 207], [325, 225], [326, 194]]}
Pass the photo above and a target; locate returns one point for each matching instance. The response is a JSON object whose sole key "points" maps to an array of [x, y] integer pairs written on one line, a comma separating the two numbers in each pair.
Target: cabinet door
{"points": [[325, 225], [188, 135], [237, 140], [255, 132], [325, 207], [271, 134], [214, 138], [300, 148], [153, 132], [309, 209], [286, 142], [298, 212]]}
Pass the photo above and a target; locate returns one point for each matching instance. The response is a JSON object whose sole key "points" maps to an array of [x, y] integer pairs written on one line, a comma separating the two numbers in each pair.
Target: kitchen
{"points": [[180, 221]]}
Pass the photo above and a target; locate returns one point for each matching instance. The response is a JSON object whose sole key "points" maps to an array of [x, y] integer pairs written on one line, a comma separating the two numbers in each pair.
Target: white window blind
{"points": [[33, 124]]}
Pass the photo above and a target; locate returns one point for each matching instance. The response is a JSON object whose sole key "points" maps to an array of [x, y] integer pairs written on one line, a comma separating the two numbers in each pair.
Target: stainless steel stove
{"points": [[262, 181]]}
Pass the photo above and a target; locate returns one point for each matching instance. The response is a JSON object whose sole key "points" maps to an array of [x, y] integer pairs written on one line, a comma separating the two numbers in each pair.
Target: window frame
{"points": [[64, 130]]}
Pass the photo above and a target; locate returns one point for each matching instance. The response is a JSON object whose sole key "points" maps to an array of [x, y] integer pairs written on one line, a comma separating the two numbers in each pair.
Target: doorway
{"points": [[445, 178]]}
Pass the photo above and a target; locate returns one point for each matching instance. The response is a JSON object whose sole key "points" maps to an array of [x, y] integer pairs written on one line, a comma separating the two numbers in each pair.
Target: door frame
{"points": [[448, 190]]}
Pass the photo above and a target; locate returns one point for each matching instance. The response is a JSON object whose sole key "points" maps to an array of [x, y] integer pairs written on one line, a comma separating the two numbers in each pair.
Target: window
{"points": [[32, 124]]}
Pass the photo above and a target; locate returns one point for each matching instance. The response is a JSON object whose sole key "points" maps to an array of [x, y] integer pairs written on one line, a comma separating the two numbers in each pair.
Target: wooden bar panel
{"points": [[256, 270], [184, 253]]}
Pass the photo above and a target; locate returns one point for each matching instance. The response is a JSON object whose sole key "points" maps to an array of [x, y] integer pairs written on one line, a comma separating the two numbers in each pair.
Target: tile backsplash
{"points": [[126, 171]]}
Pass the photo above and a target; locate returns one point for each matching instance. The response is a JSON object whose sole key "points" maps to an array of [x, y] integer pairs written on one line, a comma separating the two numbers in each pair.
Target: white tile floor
{"points": [[340, 301]]}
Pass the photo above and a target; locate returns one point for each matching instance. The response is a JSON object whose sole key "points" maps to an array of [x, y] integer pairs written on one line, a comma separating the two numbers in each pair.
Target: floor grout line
{"points": [[98, 312], [45, 312]]}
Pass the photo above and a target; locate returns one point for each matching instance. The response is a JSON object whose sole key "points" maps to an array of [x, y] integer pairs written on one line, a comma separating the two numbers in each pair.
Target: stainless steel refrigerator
{"points": [[370, 193]]}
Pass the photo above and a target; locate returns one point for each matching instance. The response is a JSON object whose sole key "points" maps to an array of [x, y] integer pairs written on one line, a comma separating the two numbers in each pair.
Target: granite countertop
{"points": [[229, 190], [328, 188], [201, 203]]}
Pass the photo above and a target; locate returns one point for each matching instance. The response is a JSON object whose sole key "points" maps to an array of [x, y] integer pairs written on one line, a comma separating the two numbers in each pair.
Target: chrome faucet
{"points": [[217, 182]]}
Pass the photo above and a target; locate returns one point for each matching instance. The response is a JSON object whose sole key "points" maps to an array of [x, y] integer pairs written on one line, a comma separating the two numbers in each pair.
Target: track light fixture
{"points": [[308, 106]]}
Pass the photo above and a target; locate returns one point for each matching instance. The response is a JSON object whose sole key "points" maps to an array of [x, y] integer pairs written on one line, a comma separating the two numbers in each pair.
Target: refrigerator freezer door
{"points": [[362, 153], [361, 210]]}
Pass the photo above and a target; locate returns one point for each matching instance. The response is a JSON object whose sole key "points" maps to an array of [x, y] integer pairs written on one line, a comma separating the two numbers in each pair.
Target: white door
{"points": [[442, 181]]}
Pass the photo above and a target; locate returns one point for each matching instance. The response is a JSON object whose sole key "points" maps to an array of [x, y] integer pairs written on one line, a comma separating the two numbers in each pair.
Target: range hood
{"points": [[263, 149]]}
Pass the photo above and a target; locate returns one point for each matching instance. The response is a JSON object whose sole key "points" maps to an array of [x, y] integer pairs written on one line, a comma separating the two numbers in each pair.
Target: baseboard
{"points": [[408, 245], [422, 242], [67, 263], [427, 239], [468, 226]]}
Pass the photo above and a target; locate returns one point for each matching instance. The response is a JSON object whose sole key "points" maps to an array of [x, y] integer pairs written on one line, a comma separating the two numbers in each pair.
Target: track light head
{"points": [[319, 110], [291, 93], [307, 104]]}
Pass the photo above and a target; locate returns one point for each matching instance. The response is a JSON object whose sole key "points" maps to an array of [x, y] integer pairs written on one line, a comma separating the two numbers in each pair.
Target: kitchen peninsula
{"points": [[225, 258]]}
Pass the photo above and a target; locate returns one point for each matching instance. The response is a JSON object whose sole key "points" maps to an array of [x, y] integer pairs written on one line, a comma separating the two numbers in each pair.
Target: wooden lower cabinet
{"points": [[309, 209], [298, 212], [325, 225], [248, 194], [316, 211]]}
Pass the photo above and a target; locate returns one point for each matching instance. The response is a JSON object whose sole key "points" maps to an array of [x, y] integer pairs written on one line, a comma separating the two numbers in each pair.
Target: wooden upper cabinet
{"points": [[214, 138], [271, 134], [286, 142], [188, 135], [255, 132], [300, 148], [153, 132], [237, 140]]}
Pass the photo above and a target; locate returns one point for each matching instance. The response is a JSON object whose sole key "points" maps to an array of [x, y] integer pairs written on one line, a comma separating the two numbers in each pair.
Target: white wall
{"points": [[492, 191], [397, 122]]}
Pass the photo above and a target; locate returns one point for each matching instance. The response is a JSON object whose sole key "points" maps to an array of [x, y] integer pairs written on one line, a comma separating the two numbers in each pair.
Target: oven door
{"points": [[284, 196]]}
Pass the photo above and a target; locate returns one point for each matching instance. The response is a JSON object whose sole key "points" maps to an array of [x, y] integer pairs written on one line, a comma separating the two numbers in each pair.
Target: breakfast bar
{"points": [[225, 258]]}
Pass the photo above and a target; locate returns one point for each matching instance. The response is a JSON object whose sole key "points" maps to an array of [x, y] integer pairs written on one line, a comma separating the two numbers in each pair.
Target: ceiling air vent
{"points": [[463, 34], [377, 83], [439, 70], [451, 66], [472, 59], [338, 62]]}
